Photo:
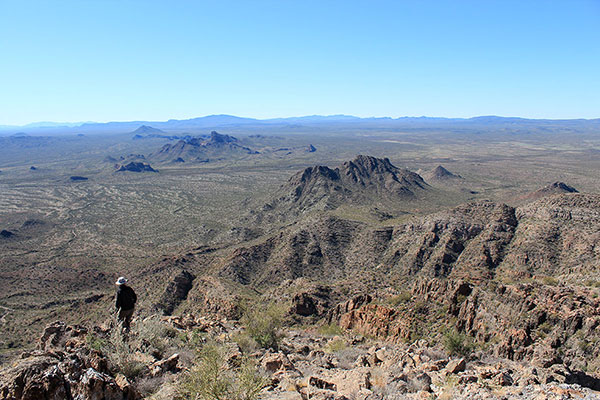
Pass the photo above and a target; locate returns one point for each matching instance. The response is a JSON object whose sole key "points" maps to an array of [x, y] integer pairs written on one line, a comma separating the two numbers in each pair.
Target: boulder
{"points": [[456, 366]]}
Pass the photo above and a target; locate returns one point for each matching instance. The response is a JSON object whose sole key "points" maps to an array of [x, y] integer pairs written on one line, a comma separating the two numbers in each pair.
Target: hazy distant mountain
{"points": [[219, 121], [146, 129]]}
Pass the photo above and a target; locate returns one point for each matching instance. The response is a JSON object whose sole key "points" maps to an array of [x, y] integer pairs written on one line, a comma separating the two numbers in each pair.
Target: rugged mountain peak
{"points": [[200, 149], [314, 173], [364, 166], [354, 182], [216, 137], [382, 175]]}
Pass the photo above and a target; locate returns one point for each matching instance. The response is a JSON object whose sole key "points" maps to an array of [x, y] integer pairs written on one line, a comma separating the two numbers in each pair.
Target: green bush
{"points": [[336, 346], [121, 354], [458, 344], [94, 342], [330, 330], [263, 325], [212, 379], [402, 298]]}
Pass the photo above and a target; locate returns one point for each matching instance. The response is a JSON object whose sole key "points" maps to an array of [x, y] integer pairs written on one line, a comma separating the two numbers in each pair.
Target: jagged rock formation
{"points": [[199, 150], [357, 181], [557, 235], [63, 368], [136, 167]]}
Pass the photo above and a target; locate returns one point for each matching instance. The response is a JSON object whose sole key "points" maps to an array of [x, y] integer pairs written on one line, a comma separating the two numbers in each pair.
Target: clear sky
{"points": [[121, 60]]}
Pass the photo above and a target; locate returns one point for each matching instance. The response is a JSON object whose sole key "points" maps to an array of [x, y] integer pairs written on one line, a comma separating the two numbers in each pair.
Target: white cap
{"points": [[121, 281]]}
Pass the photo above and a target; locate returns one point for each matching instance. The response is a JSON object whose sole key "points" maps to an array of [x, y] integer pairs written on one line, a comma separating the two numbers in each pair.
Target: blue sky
{"points": [[154, 60]]}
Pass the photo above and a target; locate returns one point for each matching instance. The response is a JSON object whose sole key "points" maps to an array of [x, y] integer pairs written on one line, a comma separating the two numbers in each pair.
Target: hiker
{"points": [[125, 302]]}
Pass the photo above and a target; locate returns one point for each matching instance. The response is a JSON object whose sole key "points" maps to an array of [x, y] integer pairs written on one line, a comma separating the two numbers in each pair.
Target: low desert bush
{"points": [[401, 298], [336, 346], [213, 379], [330, 330], [154, 337], [121, 354], [264, 325], [458, 344]]}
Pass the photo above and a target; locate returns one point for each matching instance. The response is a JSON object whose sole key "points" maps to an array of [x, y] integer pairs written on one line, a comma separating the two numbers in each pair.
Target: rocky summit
{"points": [[136, 167], [354, 182], [199, 149]]}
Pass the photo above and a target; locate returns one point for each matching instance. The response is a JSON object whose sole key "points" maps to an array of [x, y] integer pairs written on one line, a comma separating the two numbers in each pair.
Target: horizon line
{"points": [[54, 124]]}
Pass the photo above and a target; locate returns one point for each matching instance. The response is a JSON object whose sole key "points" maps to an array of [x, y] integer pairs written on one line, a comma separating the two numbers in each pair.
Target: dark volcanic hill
{"points": [[549, 190], [202, 150], [362, 180], [136, 167]]}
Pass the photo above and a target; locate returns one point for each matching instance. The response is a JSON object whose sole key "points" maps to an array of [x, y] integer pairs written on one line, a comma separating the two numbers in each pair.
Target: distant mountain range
{"points": [[220, 121]]}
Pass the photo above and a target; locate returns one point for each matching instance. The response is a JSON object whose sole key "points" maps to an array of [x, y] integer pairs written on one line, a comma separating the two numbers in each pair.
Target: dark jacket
{"points": [[126, 298]]}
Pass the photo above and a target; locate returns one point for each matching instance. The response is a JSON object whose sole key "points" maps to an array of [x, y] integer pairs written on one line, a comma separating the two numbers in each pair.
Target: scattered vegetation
{"points": [[330, 330], [121, 354], [336, 345], [264, 325], [457, 343], [402, 298], [212, 378]]}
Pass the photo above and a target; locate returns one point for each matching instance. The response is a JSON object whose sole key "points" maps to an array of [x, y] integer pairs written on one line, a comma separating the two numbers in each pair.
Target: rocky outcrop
{"points": [[136, 167], [63, 370], [175, 292]]}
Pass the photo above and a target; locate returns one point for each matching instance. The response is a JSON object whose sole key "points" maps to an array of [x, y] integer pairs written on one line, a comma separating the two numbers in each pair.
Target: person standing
{"points": [[125, 302]]}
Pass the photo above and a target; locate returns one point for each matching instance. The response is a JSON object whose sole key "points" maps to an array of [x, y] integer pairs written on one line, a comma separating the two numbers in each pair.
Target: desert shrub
{"points": [[121, 354], [245, 342], [94, 342], [149, 385], [336, 346], [154, 336], [263, 325], [212, 379], [402, 298], [330, 330], [458, 344], [550, 281]]}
